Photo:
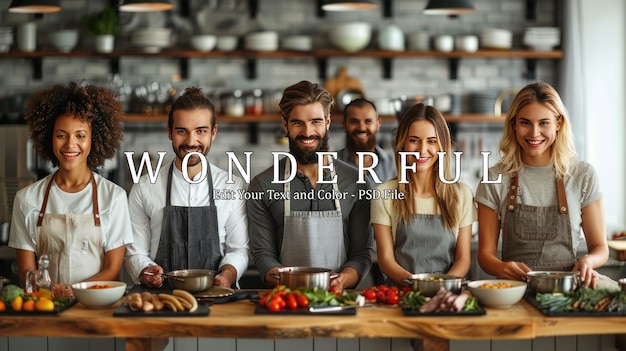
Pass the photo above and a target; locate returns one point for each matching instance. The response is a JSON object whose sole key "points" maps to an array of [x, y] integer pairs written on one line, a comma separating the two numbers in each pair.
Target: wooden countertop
{"points": [[237, 320]]}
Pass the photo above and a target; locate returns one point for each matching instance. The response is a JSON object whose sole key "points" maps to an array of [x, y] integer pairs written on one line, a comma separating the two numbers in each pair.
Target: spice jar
{"points": [[235, 104], [254, 102]]}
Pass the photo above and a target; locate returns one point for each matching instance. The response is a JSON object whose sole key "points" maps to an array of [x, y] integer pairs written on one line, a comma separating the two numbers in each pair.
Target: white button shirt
{"points": [[146, 202]]}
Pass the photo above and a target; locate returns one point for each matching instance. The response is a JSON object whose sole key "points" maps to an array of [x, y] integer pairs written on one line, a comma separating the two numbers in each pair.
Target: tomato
{"points": [[405, 290], [338, 291], [303, 301], [383, 288], [264, 299], [291, 301], [392, 298], [273, 306], [28, 305], [280, 301], [381, 296], [370, 294], [17, 303], [3, 307], [44, 304]]}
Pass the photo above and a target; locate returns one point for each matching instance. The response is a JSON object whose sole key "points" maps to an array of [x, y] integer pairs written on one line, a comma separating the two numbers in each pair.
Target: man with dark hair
{"points": [[361, 123], [312, 216], [178, 223]]}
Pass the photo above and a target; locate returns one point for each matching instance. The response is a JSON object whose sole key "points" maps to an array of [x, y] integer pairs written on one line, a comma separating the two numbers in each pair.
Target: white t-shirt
{"points": [[112, 204], [537, 187], [146, 203], [382, 211]]}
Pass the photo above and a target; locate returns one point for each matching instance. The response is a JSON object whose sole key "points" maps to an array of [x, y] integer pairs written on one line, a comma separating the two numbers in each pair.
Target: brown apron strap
{"points": [[94, 196], [45, 203], [512, 196], [560, 190]]}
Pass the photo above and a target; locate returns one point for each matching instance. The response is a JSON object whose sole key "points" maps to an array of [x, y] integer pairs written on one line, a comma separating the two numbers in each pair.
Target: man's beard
{"points": [[310, 157], [192, 160], [357, 145]]}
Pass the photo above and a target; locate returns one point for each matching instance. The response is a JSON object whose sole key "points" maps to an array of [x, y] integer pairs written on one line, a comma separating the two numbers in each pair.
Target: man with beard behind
{"points": [[179, 224], [361, 123], [313, 231]]}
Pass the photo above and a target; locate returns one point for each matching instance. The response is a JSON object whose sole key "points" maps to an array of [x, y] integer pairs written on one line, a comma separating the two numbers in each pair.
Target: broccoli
{"points": [[10, 292]]}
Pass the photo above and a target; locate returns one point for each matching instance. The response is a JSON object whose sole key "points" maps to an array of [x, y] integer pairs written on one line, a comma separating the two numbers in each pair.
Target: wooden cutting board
{"points": [[341, 82]]}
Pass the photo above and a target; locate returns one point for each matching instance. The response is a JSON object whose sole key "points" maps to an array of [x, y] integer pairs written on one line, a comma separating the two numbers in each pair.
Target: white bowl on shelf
{"points": [[64, 40], [203, 42], [227, 42], [350, 36], [261, 41]]}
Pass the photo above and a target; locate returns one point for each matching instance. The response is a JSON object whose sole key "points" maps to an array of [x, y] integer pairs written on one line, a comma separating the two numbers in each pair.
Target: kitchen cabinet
{"points": [[321, 56]]}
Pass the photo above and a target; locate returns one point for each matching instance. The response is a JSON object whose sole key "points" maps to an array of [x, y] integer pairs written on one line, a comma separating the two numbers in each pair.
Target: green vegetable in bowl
{"points": [[10, 292]]}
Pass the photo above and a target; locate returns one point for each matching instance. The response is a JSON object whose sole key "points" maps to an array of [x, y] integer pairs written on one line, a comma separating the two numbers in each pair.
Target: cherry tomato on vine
{"points": [[303, 301], [273, 306], [370, 294], [291, 301]]}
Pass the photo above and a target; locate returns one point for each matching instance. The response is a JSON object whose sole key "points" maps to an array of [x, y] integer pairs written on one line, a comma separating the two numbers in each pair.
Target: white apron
{"points": [[73, 242]]}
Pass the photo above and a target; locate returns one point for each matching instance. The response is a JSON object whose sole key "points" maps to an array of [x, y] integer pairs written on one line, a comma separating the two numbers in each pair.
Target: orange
{"points": [[44, 304], [17, 303], [28, 305], [3, 307]]}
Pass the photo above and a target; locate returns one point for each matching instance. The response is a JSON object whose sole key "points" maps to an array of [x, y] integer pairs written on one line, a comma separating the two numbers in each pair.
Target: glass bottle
{"points": [[44, 282]]}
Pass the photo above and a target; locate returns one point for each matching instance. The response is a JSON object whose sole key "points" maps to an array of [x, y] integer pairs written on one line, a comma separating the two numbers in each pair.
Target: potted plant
{"points": [[104, 25]]}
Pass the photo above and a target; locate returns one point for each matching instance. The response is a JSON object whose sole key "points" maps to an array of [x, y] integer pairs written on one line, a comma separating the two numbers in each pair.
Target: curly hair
{"points": [[446, 195], [563, 150], [91, 104]]}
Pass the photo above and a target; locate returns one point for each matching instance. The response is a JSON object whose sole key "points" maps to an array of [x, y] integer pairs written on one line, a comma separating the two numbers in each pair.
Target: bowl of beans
{"points": [[497, 293]]}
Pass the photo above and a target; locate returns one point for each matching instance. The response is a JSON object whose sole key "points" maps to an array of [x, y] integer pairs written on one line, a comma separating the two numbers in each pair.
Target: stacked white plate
{"points": [[297, 43], [496, 38], [152, 40], [542, 38], [261, 41], [6, 38]]}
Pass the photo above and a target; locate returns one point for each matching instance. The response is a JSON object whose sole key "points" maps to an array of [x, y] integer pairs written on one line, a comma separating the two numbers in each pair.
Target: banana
{"points": [[184, 302], [168, 305], [172, 299], [188, 297]]}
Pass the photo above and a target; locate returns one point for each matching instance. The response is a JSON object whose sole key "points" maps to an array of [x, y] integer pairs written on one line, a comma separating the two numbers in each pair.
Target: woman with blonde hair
{"points": [[544, 197], [426, 226]]}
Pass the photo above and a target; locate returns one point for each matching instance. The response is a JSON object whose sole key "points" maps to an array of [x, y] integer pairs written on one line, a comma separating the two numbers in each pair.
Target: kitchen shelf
{"points": [[337, 117], [320, 55]]}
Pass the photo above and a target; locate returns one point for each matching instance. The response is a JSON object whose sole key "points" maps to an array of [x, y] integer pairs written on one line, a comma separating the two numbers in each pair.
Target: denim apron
{"points": [[189, 235], [540, 237], [312, 238], [424, 245], [73, 242]]}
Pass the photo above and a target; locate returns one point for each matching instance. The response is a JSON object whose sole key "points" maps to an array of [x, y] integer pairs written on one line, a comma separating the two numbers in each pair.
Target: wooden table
{"points": [[237, 320]]}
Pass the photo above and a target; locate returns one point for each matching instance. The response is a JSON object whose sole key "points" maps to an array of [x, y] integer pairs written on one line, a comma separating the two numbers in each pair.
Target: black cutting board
{"points": [[124, 311], [530, 298], [57, 310], [304, 311]]}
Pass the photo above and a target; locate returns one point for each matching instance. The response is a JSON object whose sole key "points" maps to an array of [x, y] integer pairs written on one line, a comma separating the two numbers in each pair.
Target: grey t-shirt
{"points": [[266, 215], [537, 187]]}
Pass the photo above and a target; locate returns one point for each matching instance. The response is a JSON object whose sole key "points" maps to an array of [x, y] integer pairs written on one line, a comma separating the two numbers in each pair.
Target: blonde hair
{"points": [[563, 150], [446, 195]]}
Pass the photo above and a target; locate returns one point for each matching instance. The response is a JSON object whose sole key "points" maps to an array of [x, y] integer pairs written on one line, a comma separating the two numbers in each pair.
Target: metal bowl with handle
{"points": [[304, 277], [429, 283], [552, 281], [192, 280]]}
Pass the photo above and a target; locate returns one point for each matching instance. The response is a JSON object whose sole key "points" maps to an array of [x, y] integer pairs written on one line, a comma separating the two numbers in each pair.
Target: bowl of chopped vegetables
{"points": [[497, 293], [99, 294]]}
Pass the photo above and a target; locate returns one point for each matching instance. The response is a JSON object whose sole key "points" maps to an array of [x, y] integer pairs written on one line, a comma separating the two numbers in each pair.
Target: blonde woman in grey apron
{"points": [[77, 218], [428, 228], [541, 199], [313, 238]]}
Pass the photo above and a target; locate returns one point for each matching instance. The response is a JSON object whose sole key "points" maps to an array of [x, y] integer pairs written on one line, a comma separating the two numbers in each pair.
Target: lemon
{"points": [[17, 303], [44, 304]]}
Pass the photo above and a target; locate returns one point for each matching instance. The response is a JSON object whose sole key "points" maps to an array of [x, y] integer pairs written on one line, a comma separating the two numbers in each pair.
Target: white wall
{"points": [[604, 47]]}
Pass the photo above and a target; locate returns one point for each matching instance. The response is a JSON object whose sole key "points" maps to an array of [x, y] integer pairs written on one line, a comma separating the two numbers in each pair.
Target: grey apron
{"points": [[189, 235], [424, 245], [540, 237], [73, 242], [313, 238]]}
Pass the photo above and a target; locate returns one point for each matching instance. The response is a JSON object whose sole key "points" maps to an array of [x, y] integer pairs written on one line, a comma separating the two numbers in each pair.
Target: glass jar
{"points": [[254, 102], [235, 104]]}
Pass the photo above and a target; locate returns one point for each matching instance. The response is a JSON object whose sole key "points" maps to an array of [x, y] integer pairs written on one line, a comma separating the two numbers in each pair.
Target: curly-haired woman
{"points": [[75, 216]]}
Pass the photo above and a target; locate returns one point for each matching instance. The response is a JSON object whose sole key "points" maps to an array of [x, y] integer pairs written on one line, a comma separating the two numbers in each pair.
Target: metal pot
{"points": [[552, 281], [304, 277], [429, 283], [404, 103], [192, 280]]}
